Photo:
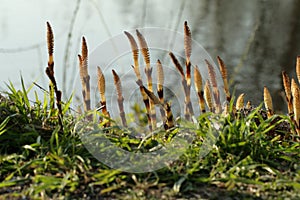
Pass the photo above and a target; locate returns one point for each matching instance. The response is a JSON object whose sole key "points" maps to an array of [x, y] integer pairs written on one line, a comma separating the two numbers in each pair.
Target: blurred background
{"points": [[257, 39]]}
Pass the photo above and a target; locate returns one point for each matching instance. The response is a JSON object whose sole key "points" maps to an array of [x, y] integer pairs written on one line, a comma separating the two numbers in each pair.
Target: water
{"points": [[257, 39]]}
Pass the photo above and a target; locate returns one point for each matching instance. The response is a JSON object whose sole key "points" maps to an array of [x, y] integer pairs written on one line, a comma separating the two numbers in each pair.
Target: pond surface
{"points": [[256, 39]]}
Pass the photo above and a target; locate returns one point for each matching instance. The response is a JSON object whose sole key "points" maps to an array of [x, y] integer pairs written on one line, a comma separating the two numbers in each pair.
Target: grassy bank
{"points": [[255, 157], [255, 154]]}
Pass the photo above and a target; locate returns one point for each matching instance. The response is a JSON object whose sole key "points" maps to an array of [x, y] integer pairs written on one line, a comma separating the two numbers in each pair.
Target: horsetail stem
{"points": [[148, 72], [50, 74], [199, 88], [101, 89], [120, 97], [84, 75], [268, 102], [160, 84], [288, 94], [213, 80], [223, 70]]}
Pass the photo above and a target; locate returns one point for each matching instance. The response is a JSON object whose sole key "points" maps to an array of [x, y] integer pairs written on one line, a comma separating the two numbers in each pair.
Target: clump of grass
{"points": [[256, 153], [253, 157]]}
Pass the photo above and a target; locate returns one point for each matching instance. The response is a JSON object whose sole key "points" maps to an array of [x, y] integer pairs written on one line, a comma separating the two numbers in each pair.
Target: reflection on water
{"points": [[257, 39]]}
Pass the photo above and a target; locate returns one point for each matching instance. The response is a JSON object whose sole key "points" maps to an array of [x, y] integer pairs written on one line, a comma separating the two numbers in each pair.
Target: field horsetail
{"points": [[207, 91], [50, 73]]}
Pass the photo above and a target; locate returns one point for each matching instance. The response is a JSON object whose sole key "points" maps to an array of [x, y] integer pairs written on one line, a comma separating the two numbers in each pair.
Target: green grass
{"points": [[253, 158]]}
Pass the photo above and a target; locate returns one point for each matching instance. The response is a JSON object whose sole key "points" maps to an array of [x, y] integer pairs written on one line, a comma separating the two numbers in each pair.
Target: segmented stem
{"points": [[288, 93], [50, 44], [177, 64], [135, 54], [187, 42], [208, 97], [188, 52], [169, 116], [136, 68], [188, 89], [118, 85], [169, 123], [84, 75], [50, 73], [188, 110], [296, 105], [148, 72], [101, 89], [223, 70], [160, 84], [248, 105], [298, 68], [268, 102], [240, 102], [199, 88], [213, 80]]}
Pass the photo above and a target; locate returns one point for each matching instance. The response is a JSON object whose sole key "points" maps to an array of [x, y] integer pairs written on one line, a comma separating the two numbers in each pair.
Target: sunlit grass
{"points": [[254, 156]]}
